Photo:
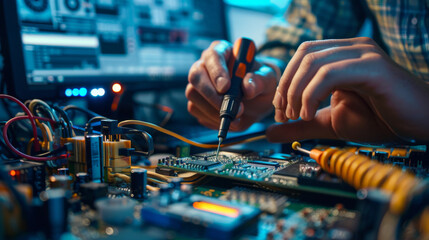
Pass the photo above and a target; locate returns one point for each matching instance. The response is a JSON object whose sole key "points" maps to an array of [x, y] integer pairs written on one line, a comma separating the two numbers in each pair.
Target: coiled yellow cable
{"points": [[362, 172]]}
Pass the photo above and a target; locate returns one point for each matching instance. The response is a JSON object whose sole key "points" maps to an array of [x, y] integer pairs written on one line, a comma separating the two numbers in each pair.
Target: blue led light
{"points": [[75, 92], [83, 92], [94, 92], [101, 92], [68, 92]]}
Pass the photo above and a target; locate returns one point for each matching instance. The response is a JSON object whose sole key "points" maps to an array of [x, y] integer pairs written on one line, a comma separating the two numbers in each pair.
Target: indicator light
{"points": [[94, 92], [83, 92], [217, 209], [116, 88], [101, 92], [68, 92], [75, 92]]}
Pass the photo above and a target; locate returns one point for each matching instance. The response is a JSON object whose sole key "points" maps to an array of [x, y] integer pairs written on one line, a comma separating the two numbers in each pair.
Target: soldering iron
{"points": [[239, 64]]}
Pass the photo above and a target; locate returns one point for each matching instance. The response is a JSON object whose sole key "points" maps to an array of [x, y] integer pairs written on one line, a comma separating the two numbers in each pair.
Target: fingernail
{"points": [[221, 83], [279, 117], [252, 88], [288, 112], [303, 114], [278, 101]]}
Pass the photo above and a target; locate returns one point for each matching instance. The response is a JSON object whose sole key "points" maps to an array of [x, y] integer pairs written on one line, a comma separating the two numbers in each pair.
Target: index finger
{"points": [[215, 59]]}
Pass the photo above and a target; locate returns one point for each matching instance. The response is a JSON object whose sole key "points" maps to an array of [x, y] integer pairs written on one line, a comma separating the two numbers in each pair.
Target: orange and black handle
{"points": [[239, 64]]}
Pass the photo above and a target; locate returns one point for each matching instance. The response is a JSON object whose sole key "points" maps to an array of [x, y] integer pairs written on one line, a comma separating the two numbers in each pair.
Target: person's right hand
{"points": [[209, 81]]}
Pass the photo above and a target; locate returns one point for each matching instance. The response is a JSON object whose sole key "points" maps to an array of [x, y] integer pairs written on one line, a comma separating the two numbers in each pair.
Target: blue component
{"points": [[101, 92], [83, 92], [94, 92], [75, 92], [68, 92]]}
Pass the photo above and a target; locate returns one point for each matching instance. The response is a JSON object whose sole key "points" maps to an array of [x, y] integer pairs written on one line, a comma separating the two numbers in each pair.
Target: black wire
{"points": [[88, 126], [67, 120], [54, 152], [86, 111]]}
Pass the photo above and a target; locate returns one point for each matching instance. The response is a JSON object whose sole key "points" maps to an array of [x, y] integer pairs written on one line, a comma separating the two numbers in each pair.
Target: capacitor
{"points": [[55, 213], [94, 156], [138, 183], [60, 181], [63, 171], [81, 178], [92, 191]]}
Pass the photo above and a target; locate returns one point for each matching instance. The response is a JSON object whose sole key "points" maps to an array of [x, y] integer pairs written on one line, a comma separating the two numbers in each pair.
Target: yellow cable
{"points": [[29, 145], [48, 132], [175, 135], [158, 176], [43, 130], [153, 189]]}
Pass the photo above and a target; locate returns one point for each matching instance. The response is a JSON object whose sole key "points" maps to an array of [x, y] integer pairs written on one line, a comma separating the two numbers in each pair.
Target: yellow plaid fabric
{"points": [[403, 25]]}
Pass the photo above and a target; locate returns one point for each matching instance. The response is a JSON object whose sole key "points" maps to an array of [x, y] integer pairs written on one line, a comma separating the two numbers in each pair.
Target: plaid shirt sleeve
{"points": [[312, 20]]}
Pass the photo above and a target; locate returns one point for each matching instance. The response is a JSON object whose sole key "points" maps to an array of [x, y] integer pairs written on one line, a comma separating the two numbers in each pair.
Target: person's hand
{"points": [[373, 98], [209, 81]]}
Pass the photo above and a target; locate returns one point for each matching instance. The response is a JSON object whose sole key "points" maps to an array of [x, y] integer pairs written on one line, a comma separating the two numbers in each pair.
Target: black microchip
{"points": [[264, 164], [206, 165], [165, 171], [289, 171]]}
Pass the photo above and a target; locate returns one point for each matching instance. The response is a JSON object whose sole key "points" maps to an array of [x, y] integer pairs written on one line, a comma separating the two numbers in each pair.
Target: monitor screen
{"points": [[55, 46]]}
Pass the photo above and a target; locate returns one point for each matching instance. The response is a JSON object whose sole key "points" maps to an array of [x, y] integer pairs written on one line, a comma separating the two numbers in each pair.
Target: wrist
{"points": [[276, 64]]}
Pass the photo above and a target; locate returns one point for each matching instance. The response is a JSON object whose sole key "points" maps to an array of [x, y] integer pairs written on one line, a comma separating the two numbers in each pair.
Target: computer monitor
{"points": [[67, 48]]}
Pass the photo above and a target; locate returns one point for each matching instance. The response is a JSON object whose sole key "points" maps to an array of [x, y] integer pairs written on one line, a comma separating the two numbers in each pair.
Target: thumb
{"points": [[319, 127]]}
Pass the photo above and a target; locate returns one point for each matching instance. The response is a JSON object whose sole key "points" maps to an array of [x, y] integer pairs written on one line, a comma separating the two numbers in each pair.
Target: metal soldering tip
{"points": [[218, 148]]}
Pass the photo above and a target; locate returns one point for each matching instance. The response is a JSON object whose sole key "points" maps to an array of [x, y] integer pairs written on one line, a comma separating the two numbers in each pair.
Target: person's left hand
{"points": [[373, 98]]}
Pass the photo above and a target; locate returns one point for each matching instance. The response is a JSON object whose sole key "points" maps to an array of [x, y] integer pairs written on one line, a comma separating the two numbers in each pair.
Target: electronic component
{"points": [[63, 171], [116, 211], [265, 201], [267, 164], [55, 209], [94, 157], [202, 165], [80, 179], [60, 181], [201, 216], [32, 173], [92, 191], [165, 171], [138, 183]]}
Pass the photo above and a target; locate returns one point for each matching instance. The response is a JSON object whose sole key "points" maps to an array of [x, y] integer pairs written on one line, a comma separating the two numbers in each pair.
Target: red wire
{"points": [[29, 117], [16, 151]]}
